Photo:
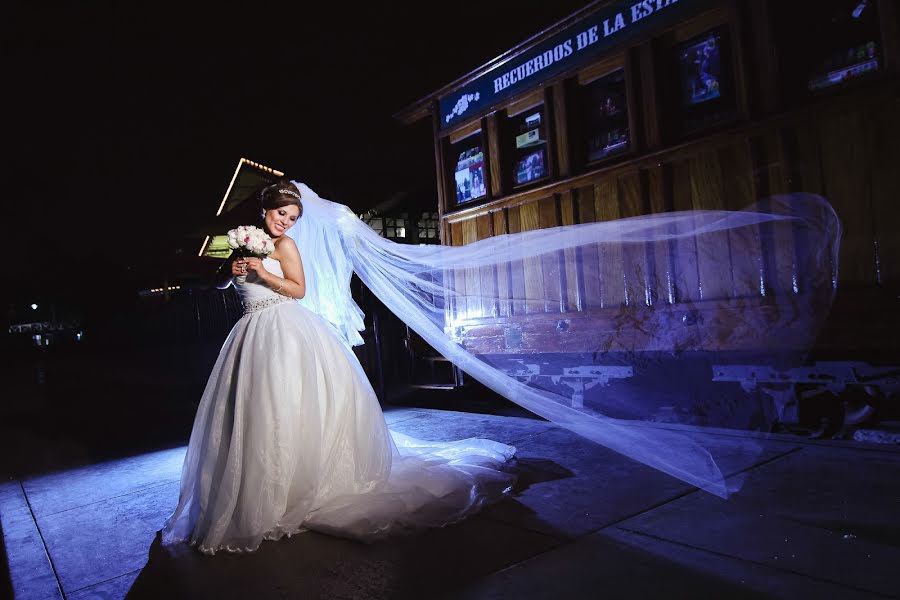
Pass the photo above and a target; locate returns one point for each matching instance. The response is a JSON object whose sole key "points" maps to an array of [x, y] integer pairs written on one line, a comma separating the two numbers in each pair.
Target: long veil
{"points": [[525, 314]]}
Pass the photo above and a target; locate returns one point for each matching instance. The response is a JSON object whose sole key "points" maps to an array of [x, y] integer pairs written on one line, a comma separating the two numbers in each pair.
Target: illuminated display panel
{"points": [[605, 110], [527, 141], [840, 44], [705, 89], [700, 64], [469, 169]]}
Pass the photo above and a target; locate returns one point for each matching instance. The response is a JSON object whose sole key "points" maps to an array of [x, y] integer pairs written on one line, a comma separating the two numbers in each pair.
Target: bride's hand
{"points": [[255, 264], [239, 267]]}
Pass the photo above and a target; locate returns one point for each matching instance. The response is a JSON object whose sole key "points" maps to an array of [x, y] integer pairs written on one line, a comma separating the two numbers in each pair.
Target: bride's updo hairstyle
{"points": [[281, 193]]}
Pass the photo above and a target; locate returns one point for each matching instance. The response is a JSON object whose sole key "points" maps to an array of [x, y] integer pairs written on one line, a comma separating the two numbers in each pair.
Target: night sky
{"points": [[123, 124]]}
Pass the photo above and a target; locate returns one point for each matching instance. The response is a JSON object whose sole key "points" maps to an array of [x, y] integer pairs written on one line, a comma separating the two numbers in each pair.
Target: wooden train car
{"points": [[632, 108], [607, 115]]}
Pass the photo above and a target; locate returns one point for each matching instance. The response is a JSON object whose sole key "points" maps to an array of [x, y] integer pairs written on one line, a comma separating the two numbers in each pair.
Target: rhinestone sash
{"points": [[257, 304]]}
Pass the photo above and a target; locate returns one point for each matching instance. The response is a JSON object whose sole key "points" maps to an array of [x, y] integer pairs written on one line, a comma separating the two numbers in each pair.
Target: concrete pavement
{"points": [[813, 519]]}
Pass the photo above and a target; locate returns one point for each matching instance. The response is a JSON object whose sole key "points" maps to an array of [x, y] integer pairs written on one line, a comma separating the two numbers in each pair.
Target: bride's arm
{"points": [[293, 284], [222, 278]]}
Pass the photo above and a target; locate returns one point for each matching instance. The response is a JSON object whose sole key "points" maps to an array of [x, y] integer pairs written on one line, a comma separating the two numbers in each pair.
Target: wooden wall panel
{"points": [[805, 161], [631, 196], [848, 188], [567, 208], [516, 279], [686, 278], [649, 99], [776, 169], [501, 274], [456, 233], [513, 221], [739, 191], [499, 227], [589, 275], [456, 304], [468, 231], [713, 259], [569, 258], [472, 278], [659, 189], [495, 158], [548, 212], [774, 176], [883, 142], [636, 268], [806, 158], [484, 228], [446, 238], [659, 254], [552, 265], [612, 276], [530, 218], [738, 176], [561, 131], [584, 202]]}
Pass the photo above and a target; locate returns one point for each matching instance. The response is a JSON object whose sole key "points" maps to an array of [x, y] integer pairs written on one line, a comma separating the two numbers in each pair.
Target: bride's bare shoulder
{"points": [[285, 246], [285, 241]]}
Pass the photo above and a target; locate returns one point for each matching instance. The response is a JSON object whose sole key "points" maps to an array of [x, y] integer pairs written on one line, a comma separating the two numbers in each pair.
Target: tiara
{"points": [[289, 193]]}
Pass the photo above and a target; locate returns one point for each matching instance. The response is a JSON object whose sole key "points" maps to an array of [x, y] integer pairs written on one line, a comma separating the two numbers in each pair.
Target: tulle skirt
{"points": [[289, 436]]}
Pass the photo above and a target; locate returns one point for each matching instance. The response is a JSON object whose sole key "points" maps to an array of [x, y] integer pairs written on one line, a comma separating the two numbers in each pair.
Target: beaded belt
{"points": [[263, 303]]}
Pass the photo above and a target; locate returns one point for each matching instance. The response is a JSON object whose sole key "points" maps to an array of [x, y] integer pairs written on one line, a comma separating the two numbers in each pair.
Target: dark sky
{"points": [[123, 124]]}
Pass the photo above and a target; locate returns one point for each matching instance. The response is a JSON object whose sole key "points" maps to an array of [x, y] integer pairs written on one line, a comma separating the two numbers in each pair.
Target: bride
{"points": [[289, 434]]}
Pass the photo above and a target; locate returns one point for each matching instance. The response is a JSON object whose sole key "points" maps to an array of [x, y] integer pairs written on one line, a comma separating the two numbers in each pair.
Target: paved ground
{"points": [[814, 519]]}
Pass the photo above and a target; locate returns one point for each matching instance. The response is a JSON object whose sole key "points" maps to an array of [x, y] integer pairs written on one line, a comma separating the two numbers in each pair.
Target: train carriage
{"points": [[667, 107]]}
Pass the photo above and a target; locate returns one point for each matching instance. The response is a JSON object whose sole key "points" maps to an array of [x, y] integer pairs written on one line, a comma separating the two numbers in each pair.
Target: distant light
{"points": [[859, 9], [34, 307]]}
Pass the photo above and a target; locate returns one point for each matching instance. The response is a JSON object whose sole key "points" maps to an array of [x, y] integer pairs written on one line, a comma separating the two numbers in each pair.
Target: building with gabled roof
{"points": [[248, 177]]}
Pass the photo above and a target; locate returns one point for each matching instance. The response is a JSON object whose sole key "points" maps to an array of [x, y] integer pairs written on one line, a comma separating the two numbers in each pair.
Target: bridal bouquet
{"points": [[248, 240]]}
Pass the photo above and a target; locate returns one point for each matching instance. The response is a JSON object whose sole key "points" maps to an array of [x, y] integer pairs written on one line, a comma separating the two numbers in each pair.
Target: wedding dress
{"points": [[289, 436]]}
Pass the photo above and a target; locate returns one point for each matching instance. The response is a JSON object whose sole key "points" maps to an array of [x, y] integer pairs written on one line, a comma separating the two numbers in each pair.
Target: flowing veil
{"points": [[514, 312]]}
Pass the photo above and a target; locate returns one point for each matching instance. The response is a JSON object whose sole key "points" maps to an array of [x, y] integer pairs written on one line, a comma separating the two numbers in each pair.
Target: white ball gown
{"points": [[289, 436]]}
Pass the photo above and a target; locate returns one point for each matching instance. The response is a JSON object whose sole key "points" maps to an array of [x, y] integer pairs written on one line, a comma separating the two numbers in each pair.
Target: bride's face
{"points": [[278, 220]]}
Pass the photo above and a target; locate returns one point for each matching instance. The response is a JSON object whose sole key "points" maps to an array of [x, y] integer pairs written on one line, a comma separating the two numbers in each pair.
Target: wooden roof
{"points": [[248, 177]]}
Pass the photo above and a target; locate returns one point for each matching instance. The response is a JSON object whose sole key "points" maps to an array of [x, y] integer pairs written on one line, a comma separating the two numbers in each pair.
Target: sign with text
{"points": [[576, 45]]}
